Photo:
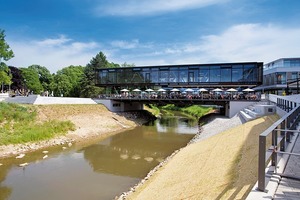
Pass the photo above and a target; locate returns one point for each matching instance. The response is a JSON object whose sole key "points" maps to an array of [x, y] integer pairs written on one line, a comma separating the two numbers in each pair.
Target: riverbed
{"points": [[101, 170]]}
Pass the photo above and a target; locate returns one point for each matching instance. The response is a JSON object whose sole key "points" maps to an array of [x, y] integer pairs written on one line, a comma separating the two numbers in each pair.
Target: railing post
{"points": [[283, 134], [274, 143], [261, 163]]}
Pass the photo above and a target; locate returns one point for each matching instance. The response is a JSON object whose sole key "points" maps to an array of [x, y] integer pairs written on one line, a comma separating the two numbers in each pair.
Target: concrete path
{"points": [[39, 100], [289, 186]]}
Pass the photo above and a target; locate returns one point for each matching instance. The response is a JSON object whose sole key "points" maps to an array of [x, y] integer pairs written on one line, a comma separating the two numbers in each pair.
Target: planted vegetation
{"points": [[195, 110], [18, 124]]}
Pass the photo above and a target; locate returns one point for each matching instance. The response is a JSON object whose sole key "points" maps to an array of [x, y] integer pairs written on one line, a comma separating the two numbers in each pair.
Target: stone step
{"points": [[246, 116], [250, 112]]}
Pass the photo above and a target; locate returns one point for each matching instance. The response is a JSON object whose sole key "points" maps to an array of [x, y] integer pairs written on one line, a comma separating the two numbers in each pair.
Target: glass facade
{"points": [[278, 75], [284, 62], [210, 74]]}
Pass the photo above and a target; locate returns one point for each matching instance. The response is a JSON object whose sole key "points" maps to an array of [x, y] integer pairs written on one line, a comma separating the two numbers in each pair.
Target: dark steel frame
{"points": [[168, 68]]}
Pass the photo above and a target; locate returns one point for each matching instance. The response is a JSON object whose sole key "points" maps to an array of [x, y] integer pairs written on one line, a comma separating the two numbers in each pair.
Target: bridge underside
{"points": [[227, 107]]}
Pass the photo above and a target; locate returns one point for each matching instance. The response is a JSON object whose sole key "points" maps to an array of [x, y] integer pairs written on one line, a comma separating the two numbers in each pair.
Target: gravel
{"points": [[216, 125]]}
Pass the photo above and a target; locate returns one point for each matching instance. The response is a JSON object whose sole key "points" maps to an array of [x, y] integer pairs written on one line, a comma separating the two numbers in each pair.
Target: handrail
{"points": [[282, 131]]}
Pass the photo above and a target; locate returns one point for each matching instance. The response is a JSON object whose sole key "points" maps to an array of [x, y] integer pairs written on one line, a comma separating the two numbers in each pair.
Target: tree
{"points": [[44, 74], [5, 54], [89, 79], [31, 80], [125, 64], [17, 79], [113, 65], [71, 77]]}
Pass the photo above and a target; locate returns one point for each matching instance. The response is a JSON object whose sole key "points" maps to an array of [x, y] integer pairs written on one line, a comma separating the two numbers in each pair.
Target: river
{"points": [[101, 170]]}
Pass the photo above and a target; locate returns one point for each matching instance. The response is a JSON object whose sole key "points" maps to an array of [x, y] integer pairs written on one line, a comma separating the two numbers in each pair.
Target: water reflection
{"points": [[99, 171]]}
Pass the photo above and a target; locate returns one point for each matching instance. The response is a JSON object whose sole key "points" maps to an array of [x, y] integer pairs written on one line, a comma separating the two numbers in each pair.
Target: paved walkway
{"points": [[289, 186], [39, 100]]}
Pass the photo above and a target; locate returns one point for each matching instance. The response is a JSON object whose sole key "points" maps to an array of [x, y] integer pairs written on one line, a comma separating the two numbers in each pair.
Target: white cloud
{"points": [[125, 44], [244, 42], [53, 41], [149, 7], [239, 43], [54, 53]]}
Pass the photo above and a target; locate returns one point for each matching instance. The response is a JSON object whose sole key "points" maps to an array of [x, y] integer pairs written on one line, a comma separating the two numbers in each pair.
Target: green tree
{"points": [[44, 74], [5, 54], [89, 88], [125, 64], [31, 80], [67, 81], [113, 65]]}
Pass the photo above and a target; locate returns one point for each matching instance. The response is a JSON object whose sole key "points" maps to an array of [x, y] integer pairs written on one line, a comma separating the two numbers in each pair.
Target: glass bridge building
{"points": [[245, 74]]}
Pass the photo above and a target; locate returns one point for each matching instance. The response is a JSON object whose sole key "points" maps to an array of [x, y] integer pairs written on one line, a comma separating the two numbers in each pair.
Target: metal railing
{"points": [[281, 132]]}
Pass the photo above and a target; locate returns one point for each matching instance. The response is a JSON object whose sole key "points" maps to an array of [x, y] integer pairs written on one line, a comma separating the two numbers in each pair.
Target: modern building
{"points": [[244, 75], [281, 77]]}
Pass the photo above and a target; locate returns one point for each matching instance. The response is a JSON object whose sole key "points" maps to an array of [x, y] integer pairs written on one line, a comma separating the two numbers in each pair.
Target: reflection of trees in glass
{"points": [[215, 74], [137, 77], [237, 73], [183, 75], [204, 74], [226, 74], [173, 75], [248, 72]]}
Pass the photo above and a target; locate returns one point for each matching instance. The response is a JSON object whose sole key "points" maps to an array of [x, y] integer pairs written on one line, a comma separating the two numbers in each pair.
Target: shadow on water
{"points": [[99, 171]]}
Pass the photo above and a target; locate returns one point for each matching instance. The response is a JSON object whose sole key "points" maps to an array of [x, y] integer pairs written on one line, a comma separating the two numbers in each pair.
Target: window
{"points": [[281, 78], [204, 74], [214, 74], [226, 74], [183, 75]]}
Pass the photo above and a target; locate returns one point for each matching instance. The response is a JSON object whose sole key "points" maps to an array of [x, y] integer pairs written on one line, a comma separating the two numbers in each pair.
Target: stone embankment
{"points": [[214, 124]]}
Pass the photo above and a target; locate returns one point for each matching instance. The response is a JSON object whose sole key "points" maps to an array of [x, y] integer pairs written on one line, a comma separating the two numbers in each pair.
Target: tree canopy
{"points": [[67, 81], [5, 54], [89, 79], [72, 81], [31, 80], [44, 74]]}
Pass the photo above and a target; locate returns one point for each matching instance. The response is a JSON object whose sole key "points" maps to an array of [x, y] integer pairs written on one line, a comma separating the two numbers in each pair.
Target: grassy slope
{"points": [[19, 124], [221, 167]]}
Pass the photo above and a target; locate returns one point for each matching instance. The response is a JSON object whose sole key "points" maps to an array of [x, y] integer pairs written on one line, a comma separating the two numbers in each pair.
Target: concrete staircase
{"points": [[249, 113]]}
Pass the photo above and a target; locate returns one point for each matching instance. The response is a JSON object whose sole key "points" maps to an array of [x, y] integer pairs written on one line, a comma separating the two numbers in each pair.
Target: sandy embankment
{"points": [[91, 121], [222, 166]]}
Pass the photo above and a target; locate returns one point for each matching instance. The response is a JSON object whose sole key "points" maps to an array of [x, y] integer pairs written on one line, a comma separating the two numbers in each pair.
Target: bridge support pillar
{"points": [[118, 106]]}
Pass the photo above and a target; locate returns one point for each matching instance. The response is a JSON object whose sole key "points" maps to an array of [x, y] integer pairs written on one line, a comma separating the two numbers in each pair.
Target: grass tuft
{"points": [[18, 124]]}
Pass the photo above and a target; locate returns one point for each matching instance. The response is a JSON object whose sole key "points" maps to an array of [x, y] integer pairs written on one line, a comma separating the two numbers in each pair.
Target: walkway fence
{"points": [[275, 139]]}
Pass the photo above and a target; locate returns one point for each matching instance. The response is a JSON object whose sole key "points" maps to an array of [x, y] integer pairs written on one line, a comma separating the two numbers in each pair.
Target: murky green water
{"points": [[99, 171]]}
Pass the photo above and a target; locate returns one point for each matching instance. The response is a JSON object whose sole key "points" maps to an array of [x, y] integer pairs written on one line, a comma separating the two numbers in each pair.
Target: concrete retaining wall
{"points": [[236, 106], [62, 100]]}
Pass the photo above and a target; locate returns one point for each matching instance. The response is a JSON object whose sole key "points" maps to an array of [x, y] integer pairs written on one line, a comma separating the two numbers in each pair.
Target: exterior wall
{"points": [[62, 100], [116, 106], [277, 73], [265, 109], [235, 106]]}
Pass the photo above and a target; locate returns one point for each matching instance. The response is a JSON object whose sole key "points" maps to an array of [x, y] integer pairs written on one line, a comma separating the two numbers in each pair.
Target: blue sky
{"points": [[59, 33]]}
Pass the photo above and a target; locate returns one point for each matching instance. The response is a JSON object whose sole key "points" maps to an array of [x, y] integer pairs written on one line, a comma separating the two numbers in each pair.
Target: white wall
{"points": [[62, 100], [113, 105], [236, 106]]}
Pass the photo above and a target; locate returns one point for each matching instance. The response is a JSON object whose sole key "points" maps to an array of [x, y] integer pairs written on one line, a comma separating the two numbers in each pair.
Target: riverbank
{"points": [[91, 121], [219, 163]]}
